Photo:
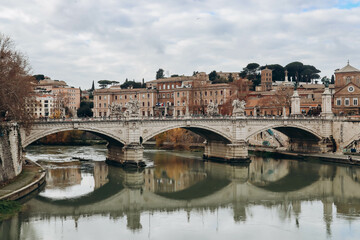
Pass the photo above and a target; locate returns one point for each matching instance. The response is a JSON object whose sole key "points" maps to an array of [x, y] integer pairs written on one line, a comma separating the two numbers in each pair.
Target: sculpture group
{"points": [[238, 108], [132, 109]]}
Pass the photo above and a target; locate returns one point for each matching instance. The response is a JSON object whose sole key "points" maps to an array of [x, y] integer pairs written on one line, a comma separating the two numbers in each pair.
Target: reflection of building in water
{"points": [[63, 177], [133, 220], [263, 171], [171, 181], [149, 179], [101, 171]]}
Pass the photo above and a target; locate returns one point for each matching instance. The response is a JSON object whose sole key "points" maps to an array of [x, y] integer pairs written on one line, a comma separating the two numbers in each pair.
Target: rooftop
{"points": [[347, 68]]}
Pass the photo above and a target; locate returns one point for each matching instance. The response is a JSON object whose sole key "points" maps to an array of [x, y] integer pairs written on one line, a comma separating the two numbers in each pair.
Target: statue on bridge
{"points": [[132, 109], [115, 110], [212, 109], [238, 108]]}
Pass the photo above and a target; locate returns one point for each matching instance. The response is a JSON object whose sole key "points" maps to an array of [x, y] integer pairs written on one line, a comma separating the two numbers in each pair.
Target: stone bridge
{"points": [[226, 138]]}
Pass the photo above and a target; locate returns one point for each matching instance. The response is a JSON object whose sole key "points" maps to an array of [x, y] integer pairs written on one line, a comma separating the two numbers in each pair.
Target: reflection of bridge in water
{"points": [[268, 183]]}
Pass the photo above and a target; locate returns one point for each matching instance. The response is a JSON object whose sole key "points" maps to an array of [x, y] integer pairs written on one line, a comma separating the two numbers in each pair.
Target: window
{"points": [[178, 94], [172, 86], [168, 86], [163, 95], [148, 104], [338, 102], [355, 101], [120, 96], [347, 102], [159, 87], [104, 97], [125, 96], [143, 104], [99, 105], [99, 97], [348, 79], [148, 95], [178, 103], [221, 92], [104, 104], [168, 95], [115, 97], [143, 96]]}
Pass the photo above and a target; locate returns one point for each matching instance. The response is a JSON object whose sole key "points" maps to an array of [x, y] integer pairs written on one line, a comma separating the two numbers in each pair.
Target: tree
{"points": [[281, 98], [92, 87], [278, 71], [160, 73], [16, 84], [332, 79], [132, 84], [39, 77], [104, 83], [251, 72], [85, 109], [294, 70], [230, 78], [213, 76]]}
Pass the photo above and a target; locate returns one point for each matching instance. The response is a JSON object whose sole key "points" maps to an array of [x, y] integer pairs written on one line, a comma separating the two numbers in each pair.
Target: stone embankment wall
{"points": [[10, 151]]}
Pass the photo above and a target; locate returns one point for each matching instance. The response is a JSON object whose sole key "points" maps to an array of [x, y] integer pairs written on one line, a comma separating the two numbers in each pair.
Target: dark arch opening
{"points": [[297, 133], [81, 136], [188, 136]]}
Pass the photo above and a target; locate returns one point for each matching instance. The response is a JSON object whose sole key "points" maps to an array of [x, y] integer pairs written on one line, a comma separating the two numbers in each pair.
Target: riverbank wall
{"points": [[323, 157], [10, 152], [31, 179]]}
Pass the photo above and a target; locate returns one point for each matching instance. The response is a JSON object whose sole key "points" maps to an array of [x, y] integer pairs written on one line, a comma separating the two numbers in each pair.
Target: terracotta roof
{"points": [[347, 68]]}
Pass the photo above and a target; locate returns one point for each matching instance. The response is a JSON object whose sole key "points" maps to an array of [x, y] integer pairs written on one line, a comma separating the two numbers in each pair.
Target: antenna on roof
{"points": [[348, 62]]}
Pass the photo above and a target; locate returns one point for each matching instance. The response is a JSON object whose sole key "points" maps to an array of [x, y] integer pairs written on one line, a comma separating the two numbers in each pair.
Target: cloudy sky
{"points": [[84, 40]]}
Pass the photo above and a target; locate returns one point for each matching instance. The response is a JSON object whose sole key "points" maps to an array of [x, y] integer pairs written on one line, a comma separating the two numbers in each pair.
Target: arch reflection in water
{"points": [[186, 191]]}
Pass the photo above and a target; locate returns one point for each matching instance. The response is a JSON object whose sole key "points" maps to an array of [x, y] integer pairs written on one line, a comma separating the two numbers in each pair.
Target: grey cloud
{"points": [[81, 41]]}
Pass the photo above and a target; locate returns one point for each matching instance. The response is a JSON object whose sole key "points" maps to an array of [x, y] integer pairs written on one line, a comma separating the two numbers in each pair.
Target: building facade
{"points": [[347, 92]]}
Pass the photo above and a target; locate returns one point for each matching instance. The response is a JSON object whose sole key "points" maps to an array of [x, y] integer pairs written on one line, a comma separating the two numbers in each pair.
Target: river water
{"points": [[178, 196]]}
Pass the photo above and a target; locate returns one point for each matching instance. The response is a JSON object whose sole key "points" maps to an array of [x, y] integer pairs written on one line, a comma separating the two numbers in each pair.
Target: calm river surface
{"points": [[181, 197]]}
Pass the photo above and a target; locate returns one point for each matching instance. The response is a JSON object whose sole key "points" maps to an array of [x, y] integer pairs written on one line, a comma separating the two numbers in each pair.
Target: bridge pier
{"points": [[231, 153], [127, 156]]}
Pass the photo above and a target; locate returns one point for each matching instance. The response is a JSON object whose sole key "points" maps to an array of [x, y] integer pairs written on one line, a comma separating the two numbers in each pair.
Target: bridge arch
{"points": [[31, 137], [206, 132], [290, 130]]}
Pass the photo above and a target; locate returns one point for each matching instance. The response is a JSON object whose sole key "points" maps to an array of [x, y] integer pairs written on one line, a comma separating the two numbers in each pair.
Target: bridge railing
{"points": [[167, 118]]}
